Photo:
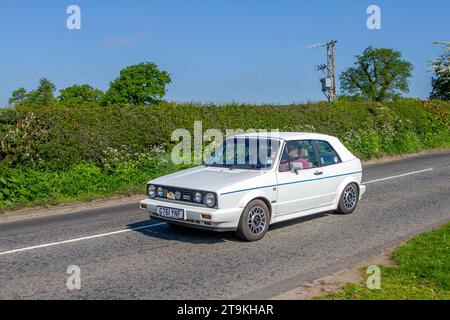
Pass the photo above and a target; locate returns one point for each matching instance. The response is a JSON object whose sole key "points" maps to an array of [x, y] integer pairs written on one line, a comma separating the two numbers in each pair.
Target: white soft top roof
{"points": [[343, 152]]}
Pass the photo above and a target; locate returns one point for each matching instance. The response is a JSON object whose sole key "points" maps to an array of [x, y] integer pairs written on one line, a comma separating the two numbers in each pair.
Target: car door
{"points": [[299, 190], [331, 171]]}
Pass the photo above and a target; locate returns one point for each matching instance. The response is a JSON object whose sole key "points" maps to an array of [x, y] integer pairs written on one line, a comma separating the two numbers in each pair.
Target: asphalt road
{"points": [[122, 254]]}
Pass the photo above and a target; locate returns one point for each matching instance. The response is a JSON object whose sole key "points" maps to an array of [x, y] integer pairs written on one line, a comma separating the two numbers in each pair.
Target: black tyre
{"points": [[254, 221], [349, 199]]}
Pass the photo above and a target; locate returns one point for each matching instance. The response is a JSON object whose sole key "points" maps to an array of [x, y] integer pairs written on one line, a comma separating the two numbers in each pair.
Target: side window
{"points": [[327, 154], [301, 153], [284, 163]]}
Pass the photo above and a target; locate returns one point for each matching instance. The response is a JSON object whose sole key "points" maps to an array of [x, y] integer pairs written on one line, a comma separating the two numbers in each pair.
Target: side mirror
{"points": [[296, 166]]}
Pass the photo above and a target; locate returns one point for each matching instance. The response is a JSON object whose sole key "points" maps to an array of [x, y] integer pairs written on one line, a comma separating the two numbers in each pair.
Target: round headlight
{"points": [[151, 191], [160, 192], [210, 200], [198, 197]]}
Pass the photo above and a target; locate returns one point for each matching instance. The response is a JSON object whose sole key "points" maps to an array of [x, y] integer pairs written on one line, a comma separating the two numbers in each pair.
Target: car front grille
{"points": [[187, 195]]}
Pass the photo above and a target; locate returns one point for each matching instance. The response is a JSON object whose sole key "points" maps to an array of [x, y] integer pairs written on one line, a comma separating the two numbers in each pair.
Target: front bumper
{"points": [[221, 219]]}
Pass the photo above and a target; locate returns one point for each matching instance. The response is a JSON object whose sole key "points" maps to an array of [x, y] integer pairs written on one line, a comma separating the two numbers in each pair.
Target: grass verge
{"points": [[20, 187], [422, 272]]}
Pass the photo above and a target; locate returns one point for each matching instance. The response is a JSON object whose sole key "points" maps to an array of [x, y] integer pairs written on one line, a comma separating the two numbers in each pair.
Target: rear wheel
{"points": [[349, 199], [254, 221]]}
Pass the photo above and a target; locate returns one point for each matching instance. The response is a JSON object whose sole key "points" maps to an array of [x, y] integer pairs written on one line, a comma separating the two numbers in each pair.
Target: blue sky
{"points": [[216, 50]]}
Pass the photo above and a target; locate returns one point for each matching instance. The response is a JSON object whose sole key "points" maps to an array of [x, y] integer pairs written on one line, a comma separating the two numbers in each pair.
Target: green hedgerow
{"points": [[59, 153]]}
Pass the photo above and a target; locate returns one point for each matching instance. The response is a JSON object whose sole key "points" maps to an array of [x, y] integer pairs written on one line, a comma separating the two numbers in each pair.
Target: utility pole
{"points": [[328, 83]]}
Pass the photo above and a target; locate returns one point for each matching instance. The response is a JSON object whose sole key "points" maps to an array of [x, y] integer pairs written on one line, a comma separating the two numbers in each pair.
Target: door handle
{"points": [[318, 173]]}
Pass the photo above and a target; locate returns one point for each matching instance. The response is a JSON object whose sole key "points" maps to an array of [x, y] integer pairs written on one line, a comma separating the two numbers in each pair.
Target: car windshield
{"points": [[245, 153]]}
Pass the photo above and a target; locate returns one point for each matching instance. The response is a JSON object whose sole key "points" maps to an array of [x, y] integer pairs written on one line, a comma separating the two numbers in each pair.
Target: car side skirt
{"points": [[303, 213]]}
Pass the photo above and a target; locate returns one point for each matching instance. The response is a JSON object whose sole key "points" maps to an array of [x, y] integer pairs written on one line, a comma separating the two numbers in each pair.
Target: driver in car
{"points": [[297, 154]]}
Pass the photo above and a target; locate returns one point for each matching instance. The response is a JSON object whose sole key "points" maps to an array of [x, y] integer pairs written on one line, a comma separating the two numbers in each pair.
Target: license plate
{"points": [[177, 214]]}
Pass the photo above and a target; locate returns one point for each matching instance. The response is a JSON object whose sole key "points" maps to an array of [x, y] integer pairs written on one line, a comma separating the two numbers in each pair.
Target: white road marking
{"points": [[398, 176], [158, 224], [81, 239]]}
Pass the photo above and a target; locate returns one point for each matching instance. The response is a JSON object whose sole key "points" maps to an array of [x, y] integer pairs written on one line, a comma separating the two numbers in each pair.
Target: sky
{"points": [[217, 51]]}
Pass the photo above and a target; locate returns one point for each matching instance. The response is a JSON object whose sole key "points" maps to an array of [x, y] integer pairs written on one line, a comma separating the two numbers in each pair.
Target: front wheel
{"points": [[349, 199], [254, 221]]}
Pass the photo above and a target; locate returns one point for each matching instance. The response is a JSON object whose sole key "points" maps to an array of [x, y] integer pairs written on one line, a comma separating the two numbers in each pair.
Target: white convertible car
{"points": [[254, 180]]}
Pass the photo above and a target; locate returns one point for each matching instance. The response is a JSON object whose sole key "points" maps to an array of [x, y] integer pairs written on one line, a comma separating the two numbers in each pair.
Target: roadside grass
{"points": [[20, 187], [422, 273]]}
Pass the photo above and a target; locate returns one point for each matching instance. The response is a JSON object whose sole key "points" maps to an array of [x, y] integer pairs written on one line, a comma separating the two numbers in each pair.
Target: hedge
{"points": [[48, 148], [62, 137]]}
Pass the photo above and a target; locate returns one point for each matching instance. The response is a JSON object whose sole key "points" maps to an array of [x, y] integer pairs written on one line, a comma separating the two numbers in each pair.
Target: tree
{"points": [[42, 96], [143, 83], [441, 80], [79, 94], [18, 96], [378, 74]]}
